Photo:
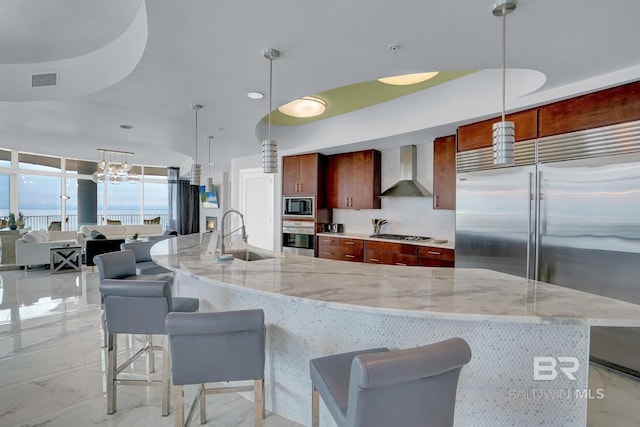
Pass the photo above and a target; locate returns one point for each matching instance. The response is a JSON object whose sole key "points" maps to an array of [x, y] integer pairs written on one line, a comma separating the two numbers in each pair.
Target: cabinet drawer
{"points": [[350, 243], [373, 256], [340, 253], [327, 241], [436, 257], [400, 248]]}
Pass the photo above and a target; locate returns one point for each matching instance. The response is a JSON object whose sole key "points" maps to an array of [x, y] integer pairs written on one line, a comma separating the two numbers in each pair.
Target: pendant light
{"points": [[504, 132], [209, 185], [195, 167], [269, 146]]}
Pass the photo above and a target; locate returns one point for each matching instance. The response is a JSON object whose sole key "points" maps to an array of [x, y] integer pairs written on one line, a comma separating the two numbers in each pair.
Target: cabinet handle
{"points": [[301, 187], [437, 201], [374, 259], [349, 256], [349, 243], [350, 202], [401, 263], [327, 253], [434, 253]]}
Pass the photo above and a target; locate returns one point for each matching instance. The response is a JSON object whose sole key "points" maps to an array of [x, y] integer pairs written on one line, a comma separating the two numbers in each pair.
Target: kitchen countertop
{"points": [[432, 243], [439, 293]]}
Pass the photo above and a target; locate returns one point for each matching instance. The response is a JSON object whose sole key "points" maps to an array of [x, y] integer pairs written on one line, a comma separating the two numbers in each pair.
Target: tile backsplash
{"points": [[404, 215]]}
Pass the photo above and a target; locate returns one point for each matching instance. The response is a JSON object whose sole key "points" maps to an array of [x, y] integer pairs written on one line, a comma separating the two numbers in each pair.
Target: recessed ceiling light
{"points": [[308, 106], [127, 127], [255, 95], [408, 79]]}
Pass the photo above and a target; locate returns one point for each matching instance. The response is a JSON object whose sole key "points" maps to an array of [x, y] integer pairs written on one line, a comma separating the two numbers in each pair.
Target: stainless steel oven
{"points": [[298, 206], [298, 237]]}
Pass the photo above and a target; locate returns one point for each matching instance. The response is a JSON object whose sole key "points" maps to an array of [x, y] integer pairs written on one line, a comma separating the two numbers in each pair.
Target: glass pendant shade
{"points": [[269, 156], [114, 173], [209, 185], [504, 138], [195, 174]]}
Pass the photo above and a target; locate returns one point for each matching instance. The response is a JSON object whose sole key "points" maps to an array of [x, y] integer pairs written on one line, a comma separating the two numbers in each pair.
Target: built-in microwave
{"points": [[301, 207]]}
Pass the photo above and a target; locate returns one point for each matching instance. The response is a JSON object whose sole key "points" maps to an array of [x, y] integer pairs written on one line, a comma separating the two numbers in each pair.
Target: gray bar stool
{"points": [[139, 307], [142, 254], [215, 347], [382, 388], [122, 265]]}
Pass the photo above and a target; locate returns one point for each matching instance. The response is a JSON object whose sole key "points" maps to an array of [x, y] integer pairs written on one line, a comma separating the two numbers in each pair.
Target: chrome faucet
{"points": [[244, 230]]}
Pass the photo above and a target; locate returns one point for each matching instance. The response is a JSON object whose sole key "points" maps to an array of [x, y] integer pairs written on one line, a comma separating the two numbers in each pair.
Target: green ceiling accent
{"points": [[353, 97]]}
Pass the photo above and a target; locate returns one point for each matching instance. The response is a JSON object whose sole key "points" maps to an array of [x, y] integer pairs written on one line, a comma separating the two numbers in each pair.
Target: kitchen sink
{"points": [[246, 255]]}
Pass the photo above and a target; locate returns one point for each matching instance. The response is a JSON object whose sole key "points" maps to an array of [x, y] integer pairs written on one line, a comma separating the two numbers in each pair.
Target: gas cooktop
{"points": [[400, 237]]}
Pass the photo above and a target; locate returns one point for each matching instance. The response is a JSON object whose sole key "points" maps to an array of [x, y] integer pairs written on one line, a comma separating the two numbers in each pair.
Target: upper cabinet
{"points": [[480, 134], [444, 172], [353, 180], [302, 174]]}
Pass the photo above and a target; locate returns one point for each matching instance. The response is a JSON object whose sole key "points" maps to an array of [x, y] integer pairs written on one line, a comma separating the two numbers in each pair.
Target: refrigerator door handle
{"points": [[530, 196], [537, 230]]}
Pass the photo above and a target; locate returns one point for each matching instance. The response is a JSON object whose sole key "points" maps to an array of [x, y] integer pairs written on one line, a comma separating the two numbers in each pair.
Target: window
{"points": [[40, 163], [39, 199]]}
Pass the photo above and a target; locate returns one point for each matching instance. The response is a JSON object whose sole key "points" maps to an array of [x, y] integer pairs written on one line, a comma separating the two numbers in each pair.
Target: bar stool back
{"points": [[215, 347], [382, 388], [138, 307]]}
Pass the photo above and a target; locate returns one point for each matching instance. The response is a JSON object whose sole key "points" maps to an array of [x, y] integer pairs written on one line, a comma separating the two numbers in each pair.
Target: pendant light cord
{"points": [[270, 92], [504, 60]]}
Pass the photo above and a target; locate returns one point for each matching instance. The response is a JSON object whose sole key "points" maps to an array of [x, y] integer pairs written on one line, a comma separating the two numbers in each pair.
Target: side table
{"points": [[65, 258]]}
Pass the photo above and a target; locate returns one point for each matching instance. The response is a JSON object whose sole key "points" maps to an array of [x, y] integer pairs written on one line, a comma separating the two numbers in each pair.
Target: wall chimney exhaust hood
{"points": [[408, 186]]}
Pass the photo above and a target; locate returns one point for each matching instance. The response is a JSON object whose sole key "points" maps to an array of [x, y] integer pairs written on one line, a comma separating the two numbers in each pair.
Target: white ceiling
{"points": [[144, 64]]}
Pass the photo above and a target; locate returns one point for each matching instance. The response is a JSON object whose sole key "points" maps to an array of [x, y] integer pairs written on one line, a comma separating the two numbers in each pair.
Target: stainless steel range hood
{"points": [[408, 186]]}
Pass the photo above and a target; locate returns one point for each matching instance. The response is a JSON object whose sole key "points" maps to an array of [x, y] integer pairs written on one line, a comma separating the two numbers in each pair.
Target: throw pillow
{"points": [[86, 230], [29, 237], [95, 234]]}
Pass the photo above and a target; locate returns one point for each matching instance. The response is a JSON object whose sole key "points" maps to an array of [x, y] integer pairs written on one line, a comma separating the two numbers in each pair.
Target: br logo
{"points": [[546, 368]]}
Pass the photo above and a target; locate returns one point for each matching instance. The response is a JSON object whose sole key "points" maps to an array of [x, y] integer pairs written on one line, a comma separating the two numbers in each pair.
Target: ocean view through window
{"points": [[52, 196]]}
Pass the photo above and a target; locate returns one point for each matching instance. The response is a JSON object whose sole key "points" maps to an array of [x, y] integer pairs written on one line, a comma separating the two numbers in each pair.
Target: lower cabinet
{"points": [[435, 257], [344, 249], [390, 253]]}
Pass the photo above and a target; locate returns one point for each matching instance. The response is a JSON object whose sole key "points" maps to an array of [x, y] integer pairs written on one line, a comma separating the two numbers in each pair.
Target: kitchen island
{"points": [[315, 307]]}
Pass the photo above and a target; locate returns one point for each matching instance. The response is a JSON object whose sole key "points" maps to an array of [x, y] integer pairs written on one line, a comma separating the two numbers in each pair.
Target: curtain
{"points": [[184, 204]]}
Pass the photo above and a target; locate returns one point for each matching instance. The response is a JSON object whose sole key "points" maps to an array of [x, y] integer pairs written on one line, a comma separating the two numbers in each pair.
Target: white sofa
{"points": [[119, 231], [33, 248]]}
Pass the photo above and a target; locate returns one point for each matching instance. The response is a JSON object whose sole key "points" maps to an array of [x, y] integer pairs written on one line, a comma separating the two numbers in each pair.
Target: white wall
{"points": [[405, 215]]}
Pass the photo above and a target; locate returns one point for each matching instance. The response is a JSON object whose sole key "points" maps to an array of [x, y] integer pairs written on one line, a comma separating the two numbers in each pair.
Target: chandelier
{"points": [[114, 168]]}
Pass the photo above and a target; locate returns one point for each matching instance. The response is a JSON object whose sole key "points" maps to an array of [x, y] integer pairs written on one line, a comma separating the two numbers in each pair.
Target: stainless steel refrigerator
{"points": [[567, 213]]}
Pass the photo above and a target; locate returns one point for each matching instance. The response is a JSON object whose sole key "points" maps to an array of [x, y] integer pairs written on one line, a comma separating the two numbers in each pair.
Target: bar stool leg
{"points": [[258, 402], [151, 363], [166, 379], [112, 366], [315, 407], [178, 405], [202, 395]]}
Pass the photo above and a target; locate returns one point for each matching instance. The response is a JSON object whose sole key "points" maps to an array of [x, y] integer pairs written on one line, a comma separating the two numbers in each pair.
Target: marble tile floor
{"points": [[52, 366]]}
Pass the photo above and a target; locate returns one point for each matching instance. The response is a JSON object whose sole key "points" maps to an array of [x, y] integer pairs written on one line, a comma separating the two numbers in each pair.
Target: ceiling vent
{"points": [[44, 80]]}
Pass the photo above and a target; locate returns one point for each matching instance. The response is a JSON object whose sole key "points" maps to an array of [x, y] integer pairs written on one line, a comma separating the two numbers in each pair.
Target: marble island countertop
{"points": [[435, 242], [442, 293]]}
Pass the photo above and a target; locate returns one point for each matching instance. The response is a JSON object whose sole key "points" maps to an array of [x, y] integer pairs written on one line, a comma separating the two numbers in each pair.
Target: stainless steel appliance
{"points": [[298, 206], [298, 237], [567, 214], [401, 237], [333, 227]]}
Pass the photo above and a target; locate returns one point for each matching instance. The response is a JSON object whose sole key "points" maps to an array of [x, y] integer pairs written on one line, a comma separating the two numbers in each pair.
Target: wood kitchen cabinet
{"points": [[390, 253], [353, 180], [479, 134], [340, 248], [303, 174], [429, 256], [444, 172]]}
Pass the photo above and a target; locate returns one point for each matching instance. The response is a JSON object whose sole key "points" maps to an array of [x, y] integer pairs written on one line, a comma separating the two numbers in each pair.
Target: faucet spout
{"points": [[243, 228]]}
